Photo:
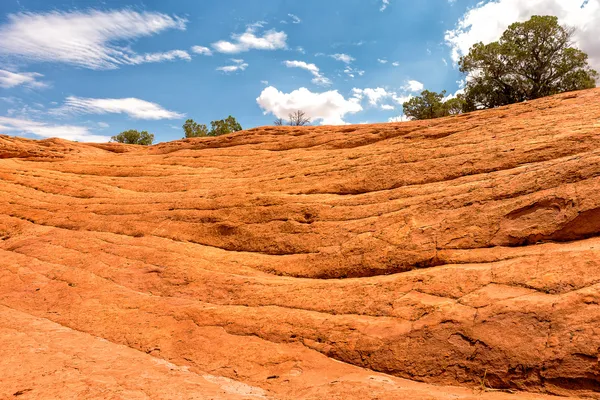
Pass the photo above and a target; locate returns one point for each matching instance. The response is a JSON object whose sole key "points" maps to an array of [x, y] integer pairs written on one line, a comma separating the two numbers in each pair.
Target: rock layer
{"points": [[370, 261]]}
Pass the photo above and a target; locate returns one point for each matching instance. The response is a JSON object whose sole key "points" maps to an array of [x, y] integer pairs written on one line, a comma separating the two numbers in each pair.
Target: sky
{"points": [[86, 70]]}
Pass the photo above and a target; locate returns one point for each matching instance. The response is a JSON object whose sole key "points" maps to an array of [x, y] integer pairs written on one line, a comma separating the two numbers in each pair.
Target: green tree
{"points": [[426, 106], [193, 129], [224, 126], [532, 59], [133, 136], [454, 106]]}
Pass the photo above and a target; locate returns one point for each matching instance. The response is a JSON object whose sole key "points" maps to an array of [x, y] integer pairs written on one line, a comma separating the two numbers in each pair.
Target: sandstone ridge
{"points": [[456, 258]]}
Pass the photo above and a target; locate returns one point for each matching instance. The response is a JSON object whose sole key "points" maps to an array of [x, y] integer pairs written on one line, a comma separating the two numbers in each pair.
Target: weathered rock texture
{"points": [[455, 252]]}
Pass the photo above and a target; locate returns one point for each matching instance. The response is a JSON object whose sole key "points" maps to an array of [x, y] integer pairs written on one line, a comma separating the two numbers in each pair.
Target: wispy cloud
{"points": [[384, 5], [345, 58], [319, 78], [135, 108], [352, 72], [238, 65], [16, 126], [159, 57], [295, 19], [205, 51], [249, 40], [10, 79], [91, 39]]}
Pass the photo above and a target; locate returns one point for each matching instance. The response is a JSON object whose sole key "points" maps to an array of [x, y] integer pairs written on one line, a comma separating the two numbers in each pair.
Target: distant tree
{"points": [[224, 126], [532, 59], [454, 106], [299, 118], [426, 106], [278, 122], [193, 129], [133, 136]]}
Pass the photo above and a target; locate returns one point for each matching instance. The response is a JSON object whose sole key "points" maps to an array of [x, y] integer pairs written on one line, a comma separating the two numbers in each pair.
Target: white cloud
{"points": [[10, 79], [396, 64], [15, 126], [300, 49], [488, 20], [400, 118], [159, 57], [103, 125], [413, 86], [376, 97], [205, 51], [352, 72], [135, 108], [382, 61], [319, 79], [270, 40], [401, 99], [239, 65], [384, 5], [328, 107], [345, 58], [295, 19], [91, 39]]}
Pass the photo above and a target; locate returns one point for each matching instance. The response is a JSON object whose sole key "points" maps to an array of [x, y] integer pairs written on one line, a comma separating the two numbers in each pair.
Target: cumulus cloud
{"points": [[345, 58], [413, 86], [88, 39], [400, 118], [238, 65], [488, 20], [135, 108], [270, 40], [205, 51], [327, 107], [16, 126], [10, 79], [380, 97], [319, 79], [373, 96]]}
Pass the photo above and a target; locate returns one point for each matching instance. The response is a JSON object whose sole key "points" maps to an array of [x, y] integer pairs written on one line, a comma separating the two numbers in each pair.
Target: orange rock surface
{"points": [[456, 258]]}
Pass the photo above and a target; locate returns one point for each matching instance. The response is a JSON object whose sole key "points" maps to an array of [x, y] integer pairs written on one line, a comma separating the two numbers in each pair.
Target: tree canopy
{"points": [[224, 126], [193, 129], [133, 136], [532, 59], [221, 127], [432, 105]]}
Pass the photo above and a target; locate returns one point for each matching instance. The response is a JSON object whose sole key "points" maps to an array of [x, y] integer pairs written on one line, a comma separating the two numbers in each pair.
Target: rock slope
{"points": [[456, 258]]}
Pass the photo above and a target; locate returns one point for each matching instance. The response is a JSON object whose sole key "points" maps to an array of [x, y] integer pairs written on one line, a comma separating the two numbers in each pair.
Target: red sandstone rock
{"points": [[418, 254]]}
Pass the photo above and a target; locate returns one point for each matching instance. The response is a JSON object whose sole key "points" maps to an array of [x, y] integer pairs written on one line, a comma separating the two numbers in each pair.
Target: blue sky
{"points": [[87, 70]]}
